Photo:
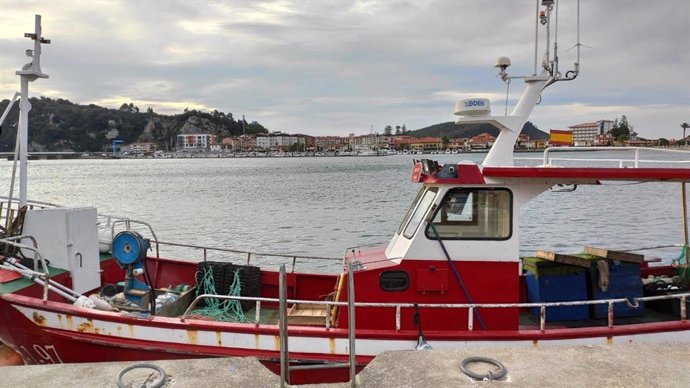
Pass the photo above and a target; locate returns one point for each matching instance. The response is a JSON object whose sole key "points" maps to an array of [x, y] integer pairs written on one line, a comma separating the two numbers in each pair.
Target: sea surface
{"points": [[323, 206]]}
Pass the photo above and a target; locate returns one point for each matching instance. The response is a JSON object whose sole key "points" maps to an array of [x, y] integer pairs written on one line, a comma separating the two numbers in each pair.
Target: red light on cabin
{"points": [[417, 172]]}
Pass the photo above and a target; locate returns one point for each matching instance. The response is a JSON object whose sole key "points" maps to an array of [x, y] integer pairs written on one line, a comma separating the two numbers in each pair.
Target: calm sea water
{"points": [[322, 206]]}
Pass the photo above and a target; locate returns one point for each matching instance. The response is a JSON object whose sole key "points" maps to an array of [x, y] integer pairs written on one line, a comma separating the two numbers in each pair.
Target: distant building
{"points": [[142, 148], [482, 141], [585, 134], [457, 144], [195, 142], [329, 143], [280, 142], [429, 143]]}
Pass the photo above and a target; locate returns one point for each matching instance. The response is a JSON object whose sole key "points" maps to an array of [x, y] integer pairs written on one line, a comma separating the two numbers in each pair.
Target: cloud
{"points": [[336, 67]]}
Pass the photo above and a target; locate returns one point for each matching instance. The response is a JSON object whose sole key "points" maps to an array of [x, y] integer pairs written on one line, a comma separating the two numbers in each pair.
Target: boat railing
{"points": [[631, 303], [633, 159], [250, 255], [9, 209], [15, 241]]}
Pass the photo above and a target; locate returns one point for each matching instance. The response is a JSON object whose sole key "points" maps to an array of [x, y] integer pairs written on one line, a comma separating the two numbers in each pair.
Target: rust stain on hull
{"points": [[39, 319], [276, 343], [70, 323], [219, 338], [89, 327], [535, 342], [86, 327], [331, 345], [257, 341], [609, 340], [192, 337]]}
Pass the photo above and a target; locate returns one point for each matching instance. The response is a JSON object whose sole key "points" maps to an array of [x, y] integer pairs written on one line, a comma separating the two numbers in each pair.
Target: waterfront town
{"points": [[597, 134]]}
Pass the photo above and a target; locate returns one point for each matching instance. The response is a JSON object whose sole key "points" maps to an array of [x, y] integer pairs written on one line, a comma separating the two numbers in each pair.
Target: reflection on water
{"points": [[321, 206]]}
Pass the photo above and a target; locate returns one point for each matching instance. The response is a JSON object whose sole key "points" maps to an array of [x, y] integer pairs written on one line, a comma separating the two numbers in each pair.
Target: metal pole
{"points": [[685, 214], [24, 106], [282, 312], [351, 324]]}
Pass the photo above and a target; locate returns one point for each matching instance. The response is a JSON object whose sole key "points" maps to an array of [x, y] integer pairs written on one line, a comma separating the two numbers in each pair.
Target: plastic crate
{"points": [[554, 282], [624, 282]]}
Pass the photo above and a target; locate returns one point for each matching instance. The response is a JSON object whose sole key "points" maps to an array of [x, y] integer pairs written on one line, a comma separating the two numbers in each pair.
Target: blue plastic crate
{"points": [[558, 288], [624, 282]]}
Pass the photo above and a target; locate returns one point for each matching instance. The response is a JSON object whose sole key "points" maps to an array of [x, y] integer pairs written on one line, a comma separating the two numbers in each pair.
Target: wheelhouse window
{"points": [[420, 207], [473, 214]]}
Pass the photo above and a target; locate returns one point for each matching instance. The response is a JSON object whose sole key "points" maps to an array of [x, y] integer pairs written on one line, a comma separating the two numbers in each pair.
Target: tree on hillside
{"points": [[684, 126], [403, 130], [129, 108], [388, 130]]}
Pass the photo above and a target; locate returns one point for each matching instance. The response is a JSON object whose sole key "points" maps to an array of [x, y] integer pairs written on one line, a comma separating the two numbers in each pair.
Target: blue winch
{"points": [[129, 249]]}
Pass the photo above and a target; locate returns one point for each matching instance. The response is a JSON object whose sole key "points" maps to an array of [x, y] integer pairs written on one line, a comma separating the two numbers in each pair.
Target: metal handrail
{"points": [[634, 302], [46, 274], [636, 160], [248, 253]]}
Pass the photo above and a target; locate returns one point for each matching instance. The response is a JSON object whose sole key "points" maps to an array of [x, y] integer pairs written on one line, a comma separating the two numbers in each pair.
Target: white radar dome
{"points": [[473, 107]]}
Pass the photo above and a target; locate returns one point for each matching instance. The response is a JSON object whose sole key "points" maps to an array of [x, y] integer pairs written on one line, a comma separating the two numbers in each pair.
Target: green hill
{"points": [[453, 131], [61, 125]]}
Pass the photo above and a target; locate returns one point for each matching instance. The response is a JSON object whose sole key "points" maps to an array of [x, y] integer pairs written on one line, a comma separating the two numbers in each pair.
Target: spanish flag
{"points": [[561, 137]]}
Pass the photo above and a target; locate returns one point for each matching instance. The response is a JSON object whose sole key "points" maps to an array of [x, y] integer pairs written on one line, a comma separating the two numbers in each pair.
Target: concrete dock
{"points": [[666, 365]]}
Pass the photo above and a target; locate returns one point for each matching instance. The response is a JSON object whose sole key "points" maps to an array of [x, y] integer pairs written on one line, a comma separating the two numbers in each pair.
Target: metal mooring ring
{"points": [[491, 375]]}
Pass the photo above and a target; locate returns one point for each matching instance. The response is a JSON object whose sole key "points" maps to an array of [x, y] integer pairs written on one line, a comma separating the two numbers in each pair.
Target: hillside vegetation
{"points": [[451, 130], [60, 125]]}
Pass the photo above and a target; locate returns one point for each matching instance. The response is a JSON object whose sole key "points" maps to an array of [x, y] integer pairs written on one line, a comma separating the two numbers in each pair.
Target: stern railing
{"points": [[632, 161]]}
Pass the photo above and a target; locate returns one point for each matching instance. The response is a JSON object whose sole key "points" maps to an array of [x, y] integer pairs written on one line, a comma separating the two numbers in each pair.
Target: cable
{"points": [[457, 275]]}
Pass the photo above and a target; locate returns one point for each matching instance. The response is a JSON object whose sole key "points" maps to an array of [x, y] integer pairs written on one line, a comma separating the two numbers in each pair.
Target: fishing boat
{"points": [[451, 276]]}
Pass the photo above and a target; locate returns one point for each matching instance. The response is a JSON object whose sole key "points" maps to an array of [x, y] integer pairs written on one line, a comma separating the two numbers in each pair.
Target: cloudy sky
{"points": [[335, 67]]}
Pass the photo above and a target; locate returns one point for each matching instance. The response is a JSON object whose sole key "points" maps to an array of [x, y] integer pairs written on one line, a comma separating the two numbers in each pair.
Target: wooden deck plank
{"points": [[565, 259], [615, 255]]}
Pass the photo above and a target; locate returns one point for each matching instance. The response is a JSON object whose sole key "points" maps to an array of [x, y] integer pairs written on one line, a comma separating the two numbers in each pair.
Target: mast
{"points": [[478, 110], [30, 72]]}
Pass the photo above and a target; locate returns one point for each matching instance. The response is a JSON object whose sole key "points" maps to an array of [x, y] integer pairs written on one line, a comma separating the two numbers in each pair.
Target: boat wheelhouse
{"points": [[451, 276]]}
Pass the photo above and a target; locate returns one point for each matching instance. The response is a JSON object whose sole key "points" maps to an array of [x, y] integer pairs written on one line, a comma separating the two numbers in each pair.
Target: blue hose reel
{"points": [[129, 250]]}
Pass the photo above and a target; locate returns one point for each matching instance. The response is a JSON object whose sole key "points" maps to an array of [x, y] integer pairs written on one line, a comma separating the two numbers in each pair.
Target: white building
{"points": [[585, 134], [195, 142], [277, 142]]}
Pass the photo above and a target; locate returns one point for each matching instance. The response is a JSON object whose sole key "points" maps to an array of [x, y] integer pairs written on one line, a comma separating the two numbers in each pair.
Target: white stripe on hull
{"points": [[299, 344]]}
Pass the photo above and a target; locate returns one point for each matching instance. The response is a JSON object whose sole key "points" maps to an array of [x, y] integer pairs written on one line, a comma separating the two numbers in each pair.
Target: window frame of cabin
{"points": [[477, 222], [416, 218], [410, 210]]}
